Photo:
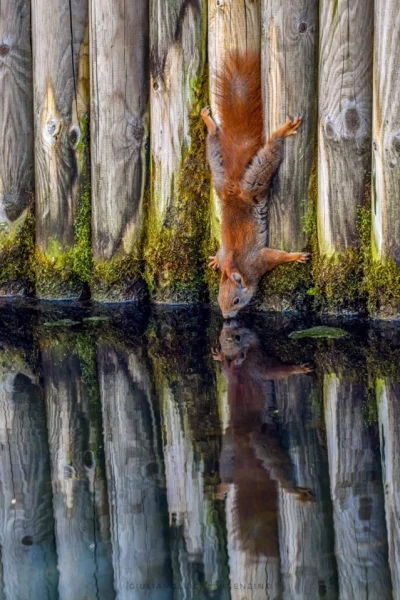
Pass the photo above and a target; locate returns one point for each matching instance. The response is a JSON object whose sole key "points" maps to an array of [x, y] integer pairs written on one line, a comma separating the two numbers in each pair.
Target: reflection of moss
{"points": [[16, 255], [176, 250]]}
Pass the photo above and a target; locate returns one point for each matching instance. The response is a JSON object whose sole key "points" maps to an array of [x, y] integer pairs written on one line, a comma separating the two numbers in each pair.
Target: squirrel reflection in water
{"points": [[253, 459]]}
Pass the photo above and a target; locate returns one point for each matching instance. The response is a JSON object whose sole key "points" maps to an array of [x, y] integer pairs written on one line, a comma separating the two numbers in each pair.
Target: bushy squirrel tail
{"points": [[239, 106]]}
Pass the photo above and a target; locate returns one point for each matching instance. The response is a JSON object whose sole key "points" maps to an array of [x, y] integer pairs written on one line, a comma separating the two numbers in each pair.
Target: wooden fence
{"points": [[104, 185]]}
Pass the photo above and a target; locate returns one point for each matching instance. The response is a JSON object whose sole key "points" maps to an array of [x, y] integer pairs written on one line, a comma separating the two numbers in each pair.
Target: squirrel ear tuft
{"points": [[238, 280]]}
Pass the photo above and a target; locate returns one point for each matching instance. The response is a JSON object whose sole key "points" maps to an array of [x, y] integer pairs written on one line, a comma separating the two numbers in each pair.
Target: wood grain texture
{"points": [[79, 484], [178, 61], [386, 133], [119, 125], [26, 511], [357, 493], [232, 25], [139, 520], [305, 528], [289, 50], [61, 106], [388, 399], [16, 109], [345, 116]]}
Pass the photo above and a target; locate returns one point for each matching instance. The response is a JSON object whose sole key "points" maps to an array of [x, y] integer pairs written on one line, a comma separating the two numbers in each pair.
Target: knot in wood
{"points": [[396, 143], [4, 49], [329, 129], [27, 540], [74, 136], [134, 131], [220, 3], [303, 27], [352, 119], [53, 128]]}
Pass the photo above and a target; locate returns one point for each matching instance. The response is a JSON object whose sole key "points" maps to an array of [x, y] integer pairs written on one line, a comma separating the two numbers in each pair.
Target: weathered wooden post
{"points": [[289, 45], [134, 473], [16, 148], [78, 472], [388, 399], [61, 109], [385, 277], [356, 491], [232, 25], [344, 144], [119, 55], [178, 223]]}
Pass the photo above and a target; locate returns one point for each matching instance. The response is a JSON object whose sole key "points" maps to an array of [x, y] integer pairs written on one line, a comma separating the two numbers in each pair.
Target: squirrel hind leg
{"points": [[207, 117]]}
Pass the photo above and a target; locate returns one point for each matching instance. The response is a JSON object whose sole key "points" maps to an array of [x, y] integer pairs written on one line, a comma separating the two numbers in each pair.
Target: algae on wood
{"points": [[16, 148], [119, 136], [289, 50], [345, 120], [61, 107], [26, 521], [78, 472], [178, 222], [388, 399], [135, 476], [356, 491]]}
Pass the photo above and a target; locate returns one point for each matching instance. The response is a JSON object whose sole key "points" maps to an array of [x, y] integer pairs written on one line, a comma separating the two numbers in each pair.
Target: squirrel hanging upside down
{"points": [[242, 167]]}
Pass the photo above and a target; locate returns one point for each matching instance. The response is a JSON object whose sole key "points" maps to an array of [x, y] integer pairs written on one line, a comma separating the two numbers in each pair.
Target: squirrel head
{"points": [[235, 341], [232, 298]]}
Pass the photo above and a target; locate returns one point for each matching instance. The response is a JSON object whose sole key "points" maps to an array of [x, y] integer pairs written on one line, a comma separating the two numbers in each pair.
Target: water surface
{"points": [[172, 456]]}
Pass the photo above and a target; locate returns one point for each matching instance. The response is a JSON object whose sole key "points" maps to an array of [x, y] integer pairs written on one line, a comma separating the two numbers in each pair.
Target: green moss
{"points": [[64, 272], [113, 279], [381, 281], [176, 251], [17, 249]]}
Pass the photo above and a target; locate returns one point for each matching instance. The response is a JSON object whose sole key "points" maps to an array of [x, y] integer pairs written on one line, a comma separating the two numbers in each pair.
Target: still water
{"points": [[169, 456]]}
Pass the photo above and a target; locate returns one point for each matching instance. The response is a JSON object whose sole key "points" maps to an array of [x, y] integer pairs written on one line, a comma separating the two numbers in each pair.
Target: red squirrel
{"points": [[242, 167]]}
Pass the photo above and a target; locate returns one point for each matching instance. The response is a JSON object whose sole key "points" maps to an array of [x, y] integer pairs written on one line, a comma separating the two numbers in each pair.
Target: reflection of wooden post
{"points": [[178, 221], [388, 398], [79, 486], [345, 113], [357, 494], [306, 536], [232, 25], [289, 43], [26, 521], [119, 134], [16, 144], [61, 103], [134, 475]]}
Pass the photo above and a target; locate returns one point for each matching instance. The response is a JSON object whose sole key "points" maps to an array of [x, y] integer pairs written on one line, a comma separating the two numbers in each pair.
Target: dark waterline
{"points": [[170, 455]]}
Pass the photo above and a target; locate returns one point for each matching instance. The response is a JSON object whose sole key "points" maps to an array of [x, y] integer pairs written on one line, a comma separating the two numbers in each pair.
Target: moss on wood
{"points": [[176, 250], [17, 249]]}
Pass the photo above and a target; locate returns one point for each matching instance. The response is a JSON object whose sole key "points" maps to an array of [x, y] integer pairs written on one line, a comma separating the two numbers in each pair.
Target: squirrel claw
{"points": [[291, 125], [304, 494], [304, 257], [213, 262]]}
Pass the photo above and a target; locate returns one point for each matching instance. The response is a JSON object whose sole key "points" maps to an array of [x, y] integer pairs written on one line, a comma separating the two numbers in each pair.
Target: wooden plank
{"points": [[61, 107], [386, 135], [305, 531], [179, 215], [139, 522], [232, 25], [119, 138], [357, 493], [388, 399], [78, 471], [16, 146], [345, 114], [26, 512], [289, 50]]}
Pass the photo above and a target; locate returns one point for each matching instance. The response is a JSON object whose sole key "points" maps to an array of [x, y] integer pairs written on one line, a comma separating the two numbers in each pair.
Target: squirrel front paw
{"points": [[291, 126], [205, 112], [213, 262], [303, 257]]}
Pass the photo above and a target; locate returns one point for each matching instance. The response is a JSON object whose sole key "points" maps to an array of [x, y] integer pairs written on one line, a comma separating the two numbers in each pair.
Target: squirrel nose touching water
{"points": [[242, 167]]}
